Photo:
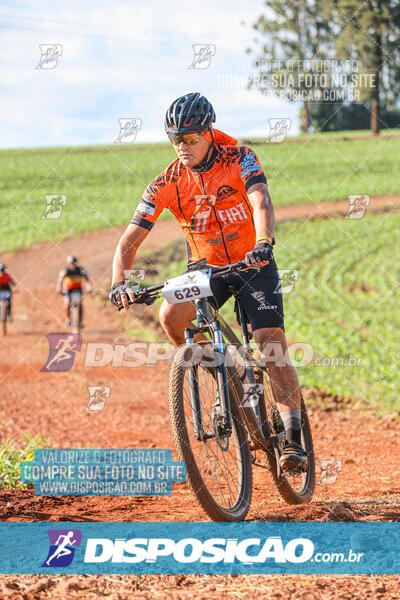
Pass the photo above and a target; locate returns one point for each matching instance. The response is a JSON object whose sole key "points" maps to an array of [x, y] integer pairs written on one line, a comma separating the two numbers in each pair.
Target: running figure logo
{"points": [[203, 54], [61, 551], [63, 347], [252, 394], [50, 55], [287, 279], [330, 469], [278, 130], [54, 206], [357, 206], [133, 277], [128, 129], [98, 394]]}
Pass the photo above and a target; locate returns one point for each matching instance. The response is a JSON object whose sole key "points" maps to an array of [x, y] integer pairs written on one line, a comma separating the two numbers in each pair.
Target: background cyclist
{"points": [[7, 284], [73, 278]]}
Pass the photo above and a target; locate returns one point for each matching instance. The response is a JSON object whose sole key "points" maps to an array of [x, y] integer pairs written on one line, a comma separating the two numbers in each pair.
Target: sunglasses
{"points": [[186, 138]]}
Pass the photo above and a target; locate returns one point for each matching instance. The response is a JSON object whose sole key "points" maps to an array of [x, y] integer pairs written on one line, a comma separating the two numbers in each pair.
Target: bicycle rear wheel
{"points": [[219, 471], [295, 487], [3, 316]]}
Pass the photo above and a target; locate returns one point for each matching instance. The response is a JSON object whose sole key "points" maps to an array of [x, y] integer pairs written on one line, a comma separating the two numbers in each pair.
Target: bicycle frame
{"points": [[209, 321]]}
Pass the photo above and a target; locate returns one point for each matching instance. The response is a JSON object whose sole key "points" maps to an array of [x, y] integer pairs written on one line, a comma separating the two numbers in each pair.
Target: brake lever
{"points": [[141, 299]]}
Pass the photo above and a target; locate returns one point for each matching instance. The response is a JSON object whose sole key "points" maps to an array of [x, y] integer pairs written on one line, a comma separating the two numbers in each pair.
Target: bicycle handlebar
{"points": [[144, 294]]}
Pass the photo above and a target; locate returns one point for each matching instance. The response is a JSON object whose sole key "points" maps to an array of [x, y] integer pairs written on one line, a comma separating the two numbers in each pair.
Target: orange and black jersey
{"points": [[72, 278], [212, 206]]}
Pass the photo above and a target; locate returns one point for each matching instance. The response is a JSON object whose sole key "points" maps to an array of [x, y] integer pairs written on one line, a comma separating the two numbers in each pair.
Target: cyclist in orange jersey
{"points": [[218, 192], [71, 279]]}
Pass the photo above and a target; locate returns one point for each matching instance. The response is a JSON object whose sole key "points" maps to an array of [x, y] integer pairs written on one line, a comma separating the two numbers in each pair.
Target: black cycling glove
{"points": [[261, 252], [120, 288], [117, 290]]}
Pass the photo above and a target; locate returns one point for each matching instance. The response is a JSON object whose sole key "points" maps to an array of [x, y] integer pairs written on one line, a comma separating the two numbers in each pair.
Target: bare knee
{"points": [[174, 318], [168, 316]]}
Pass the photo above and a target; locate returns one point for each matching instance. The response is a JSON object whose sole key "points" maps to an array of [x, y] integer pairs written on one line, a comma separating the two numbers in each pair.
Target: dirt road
{"points": [[136, 415]]}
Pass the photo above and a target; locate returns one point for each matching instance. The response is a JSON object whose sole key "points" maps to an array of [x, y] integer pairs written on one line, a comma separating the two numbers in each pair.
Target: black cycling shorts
{"points": [[259, 293]]}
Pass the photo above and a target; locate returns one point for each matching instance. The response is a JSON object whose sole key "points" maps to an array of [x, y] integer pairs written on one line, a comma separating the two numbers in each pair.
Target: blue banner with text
{"points": [[220, 548]]}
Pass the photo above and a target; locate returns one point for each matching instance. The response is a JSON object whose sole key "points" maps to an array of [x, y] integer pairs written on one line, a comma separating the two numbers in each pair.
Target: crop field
{"points": [[345, 302], [103, 184]]}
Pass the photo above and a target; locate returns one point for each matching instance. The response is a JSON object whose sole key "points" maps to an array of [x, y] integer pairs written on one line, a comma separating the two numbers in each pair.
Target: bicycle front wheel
{"points": [[219, 469], [75, 318]]}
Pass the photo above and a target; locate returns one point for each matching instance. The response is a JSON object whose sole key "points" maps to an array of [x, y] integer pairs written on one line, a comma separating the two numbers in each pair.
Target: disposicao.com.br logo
{"points": [[62, 547], [119, 553], [189, 550]]}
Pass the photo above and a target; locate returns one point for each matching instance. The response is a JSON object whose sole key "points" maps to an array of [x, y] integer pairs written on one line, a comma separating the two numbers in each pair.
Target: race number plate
{"points": [[188, 287]]}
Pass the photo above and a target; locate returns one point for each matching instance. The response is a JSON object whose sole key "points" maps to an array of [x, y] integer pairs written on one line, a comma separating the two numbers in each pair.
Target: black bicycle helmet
{"points": [[72, 259], [189, 113]]}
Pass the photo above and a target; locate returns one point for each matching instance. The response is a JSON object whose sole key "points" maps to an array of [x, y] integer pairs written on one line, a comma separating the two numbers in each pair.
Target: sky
{"points": [[126, 59]]}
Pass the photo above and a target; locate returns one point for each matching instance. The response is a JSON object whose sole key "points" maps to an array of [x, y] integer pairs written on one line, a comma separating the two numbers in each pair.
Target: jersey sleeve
{"points": [[84, 273], [154, 200], [250, 169]]}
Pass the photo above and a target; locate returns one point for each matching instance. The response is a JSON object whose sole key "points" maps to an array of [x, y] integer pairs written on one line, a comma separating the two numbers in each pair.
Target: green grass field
{"points": [[344, 304], [103, 187]]}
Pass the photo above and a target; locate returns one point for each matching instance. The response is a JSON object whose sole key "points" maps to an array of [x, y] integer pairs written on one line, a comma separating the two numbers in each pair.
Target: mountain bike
{"points": [[4, 299], [75, 299], [221, 405]]}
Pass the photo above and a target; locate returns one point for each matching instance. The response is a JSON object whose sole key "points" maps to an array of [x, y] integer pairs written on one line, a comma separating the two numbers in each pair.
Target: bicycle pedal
{"points": [[293, 472]]}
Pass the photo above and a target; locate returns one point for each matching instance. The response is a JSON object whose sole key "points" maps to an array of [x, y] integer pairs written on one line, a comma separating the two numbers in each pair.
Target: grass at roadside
{"points": [[345, 303], [11, 457], [343, 307], [103, 187]]}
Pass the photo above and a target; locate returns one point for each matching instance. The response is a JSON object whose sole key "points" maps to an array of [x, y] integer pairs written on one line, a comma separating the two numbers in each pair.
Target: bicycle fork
{"points": [[223, 420]]}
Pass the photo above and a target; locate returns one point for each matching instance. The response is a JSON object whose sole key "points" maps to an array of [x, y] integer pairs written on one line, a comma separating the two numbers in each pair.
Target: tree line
{"points": [[340, 58]]}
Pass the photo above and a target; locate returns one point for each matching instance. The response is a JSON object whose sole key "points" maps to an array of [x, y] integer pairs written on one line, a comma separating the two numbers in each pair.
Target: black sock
{"points": [[292, 422]]}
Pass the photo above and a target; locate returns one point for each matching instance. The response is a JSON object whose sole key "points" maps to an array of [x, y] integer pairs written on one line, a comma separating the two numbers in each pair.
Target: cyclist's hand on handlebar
{"points": [[122, 295], [261, 253]]}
